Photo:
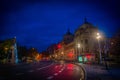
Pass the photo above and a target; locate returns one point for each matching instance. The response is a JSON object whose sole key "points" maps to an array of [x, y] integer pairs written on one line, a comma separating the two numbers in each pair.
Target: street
{"points": [[46, 71]]}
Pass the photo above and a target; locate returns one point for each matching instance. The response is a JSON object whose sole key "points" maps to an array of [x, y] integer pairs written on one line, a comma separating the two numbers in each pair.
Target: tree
{"points": [[115, 46], [5, 47]]}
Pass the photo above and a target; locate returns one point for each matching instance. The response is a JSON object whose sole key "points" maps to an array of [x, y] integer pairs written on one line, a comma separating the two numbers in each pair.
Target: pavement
{"points": [[99, 72], [43, 71], [58, 71]]}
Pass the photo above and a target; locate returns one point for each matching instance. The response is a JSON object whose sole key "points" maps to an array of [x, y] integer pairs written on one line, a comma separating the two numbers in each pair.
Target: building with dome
{"points": [[65, 49], [81, 46], [85, 41]]}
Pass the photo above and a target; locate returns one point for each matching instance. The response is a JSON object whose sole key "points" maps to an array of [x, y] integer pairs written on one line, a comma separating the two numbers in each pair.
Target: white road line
{"points": [[60, 71], [80, 79], [61, 65], [50, 77], [44, 67], [56, 66], [19, 73], [56, 74], [31, 71]]}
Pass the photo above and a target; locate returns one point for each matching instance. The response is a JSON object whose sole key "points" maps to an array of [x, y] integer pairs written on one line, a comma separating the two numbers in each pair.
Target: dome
{"points": [[68, 37], [85, 25], [68, 33]]}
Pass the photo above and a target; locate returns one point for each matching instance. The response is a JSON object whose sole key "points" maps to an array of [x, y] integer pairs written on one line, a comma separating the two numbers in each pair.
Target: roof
{"points": [[85, 25], [68, 33]]}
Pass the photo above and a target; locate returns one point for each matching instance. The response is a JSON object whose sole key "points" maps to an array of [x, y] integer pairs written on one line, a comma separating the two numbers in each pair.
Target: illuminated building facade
{"points": [[82, 45], [65, 49], [85, 36]]}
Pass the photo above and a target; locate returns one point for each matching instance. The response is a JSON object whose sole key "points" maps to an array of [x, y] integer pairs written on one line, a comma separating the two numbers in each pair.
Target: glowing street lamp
{"points": [[77, 50], [56, 55], [78, 45], [62, 53], [80, 59], [98, 38], [6, 49]]}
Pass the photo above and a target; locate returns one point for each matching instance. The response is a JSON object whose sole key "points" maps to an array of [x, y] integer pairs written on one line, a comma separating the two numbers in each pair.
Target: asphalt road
{"points": [[45, 71]]}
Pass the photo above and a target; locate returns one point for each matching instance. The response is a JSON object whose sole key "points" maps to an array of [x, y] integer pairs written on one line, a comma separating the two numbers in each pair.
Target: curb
{"points": [[85, 74]]}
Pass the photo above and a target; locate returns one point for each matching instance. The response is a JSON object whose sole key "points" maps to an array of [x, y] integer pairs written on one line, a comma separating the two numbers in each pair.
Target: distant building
{"points": [[51, 48], [68, 37]]}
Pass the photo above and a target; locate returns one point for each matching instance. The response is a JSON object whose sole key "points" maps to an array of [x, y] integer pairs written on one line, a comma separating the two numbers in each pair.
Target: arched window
{"points": [[86, 41], [81, 41], [76, 35]]}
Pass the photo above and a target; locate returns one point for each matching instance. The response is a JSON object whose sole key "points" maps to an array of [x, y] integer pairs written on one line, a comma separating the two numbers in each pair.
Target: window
{"points": [[76, 34], [82, 50], [81, 41], [86, 41], [87, 49]]}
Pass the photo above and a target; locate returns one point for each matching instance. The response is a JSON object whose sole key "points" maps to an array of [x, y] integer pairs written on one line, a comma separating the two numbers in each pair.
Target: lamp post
{"points": [[6, 52], [78, 45], [78, 48], [6, 49], [98, 38], [62, 54]]}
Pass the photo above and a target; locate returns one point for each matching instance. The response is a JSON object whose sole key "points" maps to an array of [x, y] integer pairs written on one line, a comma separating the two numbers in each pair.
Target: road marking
{"points": [[56, 66], [31, 71], [61, 65], [19, 73], [50, 77], [56, 74], [60, 71], [77, 69], [80, 79], [44, 67]]}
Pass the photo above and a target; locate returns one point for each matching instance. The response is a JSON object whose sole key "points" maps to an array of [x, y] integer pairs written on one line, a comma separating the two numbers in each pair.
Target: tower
{"points": [[68, 37], [14, 58]]}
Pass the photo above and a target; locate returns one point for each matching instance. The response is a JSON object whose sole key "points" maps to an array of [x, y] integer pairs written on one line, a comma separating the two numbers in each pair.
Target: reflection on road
{"points": [[48, 71]]}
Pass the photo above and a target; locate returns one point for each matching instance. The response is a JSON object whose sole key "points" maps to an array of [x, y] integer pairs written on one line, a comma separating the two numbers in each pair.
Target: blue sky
{"points": [[39, 24]]}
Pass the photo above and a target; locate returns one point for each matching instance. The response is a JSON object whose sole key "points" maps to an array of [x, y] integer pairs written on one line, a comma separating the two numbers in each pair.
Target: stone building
{"points": [[68, 46], [82, 45], [85, 37], [65, 49]]}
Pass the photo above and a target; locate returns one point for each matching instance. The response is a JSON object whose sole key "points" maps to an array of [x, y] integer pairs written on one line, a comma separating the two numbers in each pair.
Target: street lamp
{"points": [[62, 53], [78, 48], [78, 45], [56, 55], [98, 38], [6, 49]]}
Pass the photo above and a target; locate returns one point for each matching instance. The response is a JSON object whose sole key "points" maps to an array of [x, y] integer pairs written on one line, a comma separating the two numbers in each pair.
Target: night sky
{"points": [[38, 24]]}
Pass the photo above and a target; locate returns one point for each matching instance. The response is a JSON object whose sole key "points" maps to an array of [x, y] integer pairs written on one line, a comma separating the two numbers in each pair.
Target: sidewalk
{"points": [[98, 72]]}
